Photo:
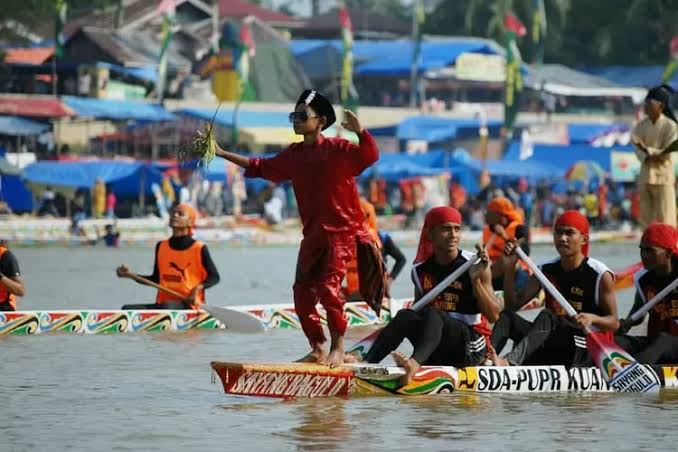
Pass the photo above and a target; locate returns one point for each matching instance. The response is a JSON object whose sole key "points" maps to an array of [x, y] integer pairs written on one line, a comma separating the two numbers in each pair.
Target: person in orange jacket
{"points": [[506, 222], [182, 264], [11, 284]]}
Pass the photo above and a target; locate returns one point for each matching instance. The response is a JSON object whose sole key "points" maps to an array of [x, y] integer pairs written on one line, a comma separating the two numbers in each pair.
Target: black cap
{"points": [[662, 93], [319, 104]]}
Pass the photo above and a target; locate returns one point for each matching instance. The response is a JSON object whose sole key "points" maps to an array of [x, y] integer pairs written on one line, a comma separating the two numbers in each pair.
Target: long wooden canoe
{"points": [[313, 380], [92, 321]]}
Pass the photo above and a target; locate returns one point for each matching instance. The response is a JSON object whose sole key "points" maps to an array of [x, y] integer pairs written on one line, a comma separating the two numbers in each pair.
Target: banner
{"points": [[480, 67]]}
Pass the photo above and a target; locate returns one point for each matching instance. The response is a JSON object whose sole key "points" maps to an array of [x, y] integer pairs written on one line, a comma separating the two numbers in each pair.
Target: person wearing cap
{"points": [[453, 329], [506, 222], [586, 283], [652, 137], [659, 255], [182, 264], [11, 284], [322, 171]]}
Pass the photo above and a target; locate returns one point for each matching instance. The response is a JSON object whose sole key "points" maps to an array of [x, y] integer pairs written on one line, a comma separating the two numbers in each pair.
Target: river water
{"points": [[154, 391]]}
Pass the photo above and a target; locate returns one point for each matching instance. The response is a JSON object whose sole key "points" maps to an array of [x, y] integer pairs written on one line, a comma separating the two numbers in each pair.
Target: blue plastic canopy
{"points": [[125, 178], [117, 109], [18, 126]]}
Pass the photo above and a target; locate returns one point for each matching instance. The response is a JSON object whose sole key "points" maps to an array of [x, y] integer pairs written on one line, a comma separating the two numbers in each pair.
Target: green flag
{"points": [[672, 66], [59, 40], [167, 9], [349, 95], [418, 18], [514, 80], [538, 30]]}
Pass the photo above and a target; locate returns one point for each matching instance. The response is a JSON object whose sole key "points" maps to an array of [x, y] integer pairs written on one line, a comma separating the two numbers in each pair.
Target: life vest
{"points": [[5, 295], [496, 250], [664, 315], [181, 271], [352, 275], [458, 299], [579, 286]]}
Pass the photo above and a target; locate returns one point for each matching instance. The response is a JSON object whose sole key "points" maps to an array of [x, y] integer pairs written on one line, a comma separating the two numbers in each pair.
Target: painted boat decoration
{"points": [[312, 380], [90, 321]]}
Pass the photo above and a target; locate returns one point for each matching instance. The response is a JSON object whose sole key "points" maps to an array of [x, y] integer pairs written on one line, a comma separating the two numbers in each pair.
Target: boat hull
{"points": [[90, 321], [311, 380]]}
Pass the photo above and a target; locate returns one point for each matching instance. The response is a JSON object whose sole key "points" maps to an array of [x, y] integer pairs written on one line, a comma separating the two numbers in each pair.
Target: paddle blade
{"points": [[621, 370], [236, 321], [363, 346], [624, 278]]}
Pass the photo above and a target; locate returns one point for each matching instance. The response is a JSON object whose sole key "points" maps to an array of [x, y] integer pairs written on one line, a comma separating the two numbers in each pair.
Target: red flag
{"points": [[673, 47], [246, 39], [624, 278], [513, 24], [345, 19]]}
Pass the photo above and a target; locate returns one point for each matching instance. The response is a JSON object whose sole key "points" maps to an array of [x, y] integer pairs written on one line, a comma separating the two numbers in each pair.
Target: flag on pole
{"points": [[167, 9], [246, 51], [61, 10], [672, 66], [514, 80], [418, 18], [349, 95], [538, 30]]}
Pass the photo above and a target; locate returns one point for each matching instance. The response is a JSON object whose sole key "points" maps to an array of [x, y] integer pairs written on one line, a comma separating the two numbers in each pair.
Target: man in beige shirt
{"points": [[652, 137]]}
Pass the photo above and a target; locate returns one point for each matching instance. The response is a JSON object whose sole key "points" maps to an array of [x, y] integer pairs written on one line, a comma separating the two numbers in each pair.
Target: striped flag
{"points": [[167, 9], [61, 9], [349, 95], [672, 66], [418, 19], [538, 30], [514, 80]]}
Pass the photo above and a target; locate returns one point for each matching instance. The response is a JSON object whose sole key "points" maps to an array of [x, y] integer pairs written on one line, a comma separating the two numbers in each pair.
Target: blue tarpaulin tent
{"points": [[632, 76], [117, 110], [125, 178], [246, 118], [390, 58], [17, 126], [565, 156], [435, 129]]}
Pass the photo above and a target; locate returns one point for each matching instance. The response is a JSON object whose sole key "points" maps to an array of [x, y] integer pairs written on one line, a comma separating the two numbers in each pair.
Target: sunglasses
{"points": [[300, 116]]}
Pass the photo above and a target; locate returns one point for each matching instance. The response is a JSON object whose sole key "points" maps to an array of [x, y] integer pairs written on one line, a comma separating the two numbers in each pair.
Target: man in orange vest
{"points": [[11, 285], [182, 264], [505, 222], [351, 290]]}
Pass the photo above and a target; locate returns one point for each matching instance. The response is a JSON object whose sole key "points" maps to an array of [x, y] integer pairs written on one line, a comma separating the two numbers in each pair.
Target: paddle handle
{"points": [[656, 299], [546, 283], [452, 277], [148, 282]]}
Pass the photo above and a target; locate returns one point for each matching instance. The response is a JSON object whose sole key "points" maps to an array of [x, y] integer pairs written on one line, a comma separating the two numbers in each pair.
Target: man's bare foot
{"points": [[410, 365], [317, 355], [335, 358], [350, 358]]}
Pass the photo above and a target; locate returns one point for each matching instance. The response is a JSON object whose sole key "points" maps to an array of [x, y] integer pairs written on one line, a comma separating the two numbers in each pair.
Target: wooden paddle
{"points": [[620, 369], [236, 321], [656, 299], [361, 348]]}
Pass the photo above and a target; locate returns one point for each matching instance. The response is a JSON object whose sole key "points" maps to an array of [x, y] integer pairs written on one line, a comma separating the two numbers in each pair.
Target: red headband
{"points": [[434, 217], [663, 236], [576, 220]]}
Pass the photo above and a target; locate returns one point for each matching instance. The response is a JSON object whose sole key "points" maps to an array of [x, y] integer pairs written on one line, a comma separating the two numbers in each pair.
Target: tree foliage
{"points": [[580, 32]]}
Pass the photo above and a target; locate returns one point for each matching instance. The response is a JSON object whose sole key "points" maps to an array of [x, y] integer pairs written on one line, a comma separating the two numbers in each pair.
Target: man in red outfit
{"points": [[322, 171]]}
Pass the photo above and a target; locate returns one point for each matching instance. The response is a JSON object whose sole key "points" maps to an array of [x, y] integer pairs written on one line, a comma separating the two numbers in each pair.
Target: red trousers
{"points": [[320, 271]]}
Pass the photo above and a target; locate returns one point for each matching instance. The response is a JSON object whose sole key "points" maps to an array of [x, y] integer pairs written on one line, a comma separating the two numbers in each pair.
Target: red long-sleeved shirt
{"points": [[323, 177]]}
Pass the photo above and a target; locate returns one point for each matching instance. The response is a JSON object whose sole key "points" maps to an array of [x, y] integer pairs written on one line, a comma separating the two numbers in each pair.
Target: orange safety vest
{"points": [[352, 276], [497, 249], [5, 295], [180, 271]]}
